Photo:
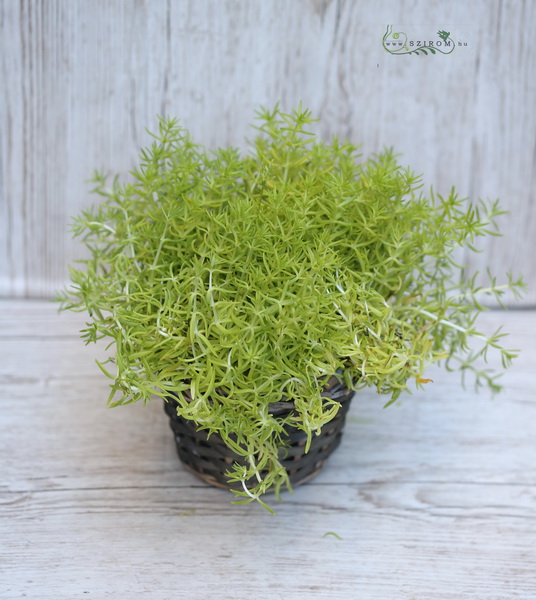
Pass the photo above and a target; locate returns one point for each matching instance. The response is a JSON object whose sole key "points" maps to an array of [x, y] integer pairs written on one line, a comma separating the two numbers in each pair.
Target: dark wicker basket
{"points": [[210, 458]]}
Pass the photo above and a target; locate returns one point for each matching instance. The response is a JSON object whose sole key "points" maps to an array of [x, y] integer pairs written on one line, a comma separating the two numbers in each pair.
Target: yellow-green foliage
{"points": [[243, 279]]}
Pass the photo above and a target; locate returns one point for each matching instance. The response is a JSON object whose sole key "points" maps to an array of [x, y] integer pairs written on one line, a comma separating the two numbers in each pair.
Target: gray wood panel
{"points": [[80, 82], [434, 497]]}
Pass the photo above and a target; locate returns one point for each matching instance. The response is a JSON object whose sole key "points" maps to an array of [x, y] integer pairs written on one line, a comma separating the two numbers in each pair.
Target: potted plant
{"points": [[255, 292]]}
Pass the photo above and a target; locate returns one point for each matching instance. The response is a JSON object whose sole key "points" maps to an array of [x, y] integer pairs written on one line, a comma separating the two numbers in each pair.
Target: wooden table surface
{"points": [[433, 498]]}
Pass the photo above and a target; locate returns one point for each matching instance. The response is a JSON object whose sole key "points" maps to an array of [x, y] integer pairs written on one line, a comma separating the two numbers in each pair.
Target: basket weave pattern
{"points": [[210, 458]]}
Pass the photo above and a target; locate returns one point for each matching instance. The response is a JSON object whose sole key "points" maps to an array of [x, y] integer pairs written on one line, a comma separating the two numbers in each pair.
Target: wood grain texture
{"points": [[82, 80], [434, 497]]}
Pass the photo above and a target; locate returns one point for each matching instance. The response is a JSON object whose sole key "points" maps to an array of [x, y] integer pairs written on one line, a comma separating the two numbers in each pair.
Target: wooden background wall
{"points": [[82, 79]]}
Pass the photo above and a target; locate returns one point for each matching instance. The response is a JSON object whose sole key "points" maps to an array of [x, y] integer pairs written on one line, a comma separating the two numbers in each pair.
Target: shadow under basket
{"points": [[210, 458]]}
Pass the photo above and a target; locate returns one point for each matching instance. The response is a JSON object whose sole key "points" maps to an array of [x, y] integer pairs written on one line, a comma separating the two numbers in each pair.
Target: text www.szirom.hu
{"points": [[420, 43]]}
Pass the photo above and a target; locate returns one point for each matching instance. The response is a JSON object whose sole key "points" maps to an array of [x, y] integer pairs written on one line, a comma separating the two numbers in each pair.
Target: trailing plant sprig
{"points": [[241, 279]]}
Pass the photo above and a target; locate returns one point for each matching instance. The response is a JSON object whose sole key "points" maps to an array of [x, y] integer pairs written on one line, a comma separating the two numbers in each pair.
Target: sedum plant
{"points": [[243, 278]]}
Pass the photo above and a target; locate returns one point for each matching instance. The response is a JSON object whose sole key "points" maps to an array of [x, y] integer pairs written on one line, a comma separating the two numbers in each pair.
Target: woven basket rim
{"points": [[283, 405]]}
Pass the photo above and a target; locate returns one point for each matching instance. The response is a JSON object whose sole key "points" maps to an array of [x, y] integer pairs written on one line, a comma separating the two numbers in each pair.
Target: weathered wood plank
{"points": [[410, 541], [82, 80], [24, 318], [434, 497]]}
